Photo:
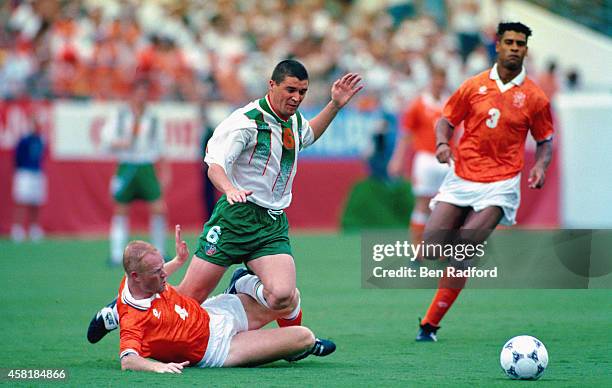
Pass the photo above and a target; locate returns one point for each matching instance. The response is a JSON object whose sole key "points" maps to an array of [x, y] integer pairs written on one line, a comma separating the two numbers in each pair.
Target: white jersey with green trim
{"points": [[259, 151], [146, 144]]}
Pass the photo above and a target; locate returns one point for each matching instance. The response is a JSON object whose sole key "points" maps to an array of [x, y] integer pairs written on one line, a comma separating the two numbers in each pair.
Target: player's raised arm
{"points": [[341, 93], [182, 253], [444, 132]]}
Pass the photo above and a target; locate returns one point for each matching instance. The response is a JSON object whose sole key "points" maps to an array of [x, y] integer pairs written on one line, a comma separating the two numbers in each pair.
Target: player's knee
{"points": [[304, 336], [279, 299]]}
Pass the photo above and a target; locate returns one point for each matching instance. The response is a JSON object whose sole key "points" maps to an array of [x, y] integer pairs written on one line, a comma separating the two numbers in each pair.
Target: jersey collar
{"points": [[518, 80], [139, 304], [264, 103]]}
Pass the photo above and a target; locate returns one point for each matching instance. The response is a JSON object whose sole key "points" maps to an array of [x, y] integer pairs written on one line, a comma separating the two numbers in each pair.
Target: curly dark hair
{"points": [[513, 26]]}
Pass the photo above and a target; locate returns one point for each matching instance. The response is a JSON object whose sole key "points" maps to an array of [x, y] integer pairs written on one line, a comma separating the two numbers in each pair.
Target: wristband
{"points": [[441, 143]]}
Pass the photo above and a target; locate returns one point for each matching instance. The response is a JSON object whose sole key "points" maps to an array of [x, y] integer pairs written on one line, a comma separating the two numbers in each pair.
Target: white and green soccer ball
{"points": [[524, 358]]}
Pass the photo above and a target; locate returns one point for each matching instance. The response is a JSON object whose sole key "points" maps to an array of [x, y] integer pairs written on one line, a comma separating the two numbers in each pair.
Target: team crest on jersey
{"points": [[482, 90], [518, 99], [211, 249], [156, 313]]}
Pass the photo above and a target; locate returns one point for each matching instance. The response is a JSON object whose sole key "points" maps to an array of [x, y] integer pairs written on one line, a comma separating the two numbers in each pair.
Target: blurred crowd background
{"points": [[64, 64], [224, 50]]}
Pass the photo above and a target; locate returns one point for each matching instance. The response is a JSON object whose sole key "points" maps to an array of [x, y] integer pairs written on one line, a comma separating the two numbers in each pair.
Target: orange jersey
{"points": [[167, 327], [420, 119], [496, 124]]}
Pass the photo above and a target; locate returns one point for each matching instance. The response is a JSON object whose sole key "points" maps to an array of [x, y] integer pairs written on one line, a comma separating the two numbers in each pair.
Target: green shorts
{"points": [[242, 232], [135, 181]]}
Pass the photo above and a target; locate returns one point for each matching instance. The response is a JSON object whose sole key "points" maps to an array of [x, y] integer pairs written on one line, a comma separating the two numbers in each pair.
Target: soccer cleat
{"points": [[321, 348], [238, 273], [102, 323], [427, 333]]}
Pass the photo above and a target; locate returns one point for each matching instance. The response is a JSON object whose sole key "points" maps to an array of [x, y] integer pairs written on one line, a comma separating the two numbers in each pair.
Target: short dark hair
{"points": [[513, 26], [289, 68]]}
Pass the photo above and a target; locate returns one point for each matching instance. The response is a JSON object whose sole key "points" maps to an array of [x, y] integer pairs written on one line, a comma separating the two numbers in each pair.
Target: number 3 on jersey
{"points": [[494, 115]]}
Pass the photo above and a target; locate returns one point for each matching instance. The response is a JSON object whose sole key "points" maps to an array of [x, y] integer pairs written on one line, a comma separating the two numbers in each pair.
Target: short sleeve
{"points": [[229, 139], [541, 124], [130, 335], [307, 134], [457, 106]]}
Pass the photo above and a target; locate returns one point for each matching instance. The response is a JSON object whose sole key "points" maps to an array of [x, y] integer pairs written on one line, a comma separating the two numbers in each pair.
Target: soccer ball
{"points": [[524, 357]]}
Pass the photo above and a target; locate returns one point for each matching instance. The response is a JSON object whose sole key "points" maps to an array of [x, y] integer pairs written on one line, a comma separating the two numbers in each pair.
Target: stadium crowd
{"points": [[223, 50]]}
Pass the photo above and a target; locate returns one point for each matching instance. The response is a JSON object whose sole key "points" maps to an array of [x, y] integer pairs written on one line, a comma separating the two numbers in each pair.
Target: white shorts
{"points": [[427, 174], [29, 187], [227, 318], [478, 195]]}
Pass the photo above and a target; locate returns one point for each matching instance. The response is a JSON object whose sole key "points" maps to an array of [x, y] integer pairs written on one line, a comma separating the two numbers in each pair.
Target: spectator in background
{"points": [[135, 137], [29, 186], [548, 81], [466, 24], [572, 83]]}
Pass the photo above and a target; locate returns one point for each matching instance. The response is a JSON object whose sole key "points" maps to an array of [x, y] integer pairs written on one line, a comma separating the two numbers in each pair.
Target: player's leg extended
{"points": [[200, 279], [419, 218], [443, 223], [277, 275], [119, 232], [257, 347], [157, 224], [477, 227], [444, 220]]}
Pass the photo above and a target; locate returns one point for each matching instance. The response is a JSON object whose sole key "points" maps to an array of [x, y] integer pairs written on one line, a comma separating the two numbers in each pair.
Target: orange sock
{"points": [[448, 291], [297, 321], [416, 232]]}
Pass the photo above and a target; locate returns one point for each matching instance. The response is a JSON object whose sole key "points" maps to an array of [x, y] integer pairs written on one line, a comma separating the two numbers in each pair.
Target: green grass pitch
{"points": [[50, 291]]}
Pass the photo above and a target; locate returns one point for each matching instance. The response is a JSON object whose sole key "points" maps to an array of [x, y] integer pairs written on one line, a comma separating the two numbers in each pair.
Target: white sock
{"points": [[157, 228], [118, 237], [251, 285], [36, 232], [18, 233], [292, 315], [115, 312]]}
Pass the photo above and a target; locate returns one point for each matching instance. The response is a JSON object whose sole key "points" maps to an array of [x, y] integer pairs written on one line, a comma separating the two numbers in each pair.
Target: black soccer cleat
{"points": [[321, 348], [102, 323], [238, 273], [427, 332]]}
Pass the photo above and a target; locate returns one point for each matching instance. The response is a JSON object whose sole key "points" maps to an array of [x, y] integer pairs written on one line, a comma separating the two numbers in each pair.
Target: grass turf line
{"points": [[51, 290]]}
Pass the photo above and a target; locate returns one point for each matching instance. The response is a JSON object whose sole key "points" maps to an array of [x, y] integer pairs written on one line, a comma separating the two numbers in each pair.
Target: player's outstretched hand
{"points": [[171, 367], [235, 195], [444, 153], [182, 251], [345, 88], [537, 176]]}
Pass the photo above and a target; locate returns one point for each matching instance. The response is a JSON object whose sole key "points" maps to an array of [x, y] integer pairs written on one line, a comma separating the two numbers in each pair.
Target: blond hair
{"points": [[133, 255]]}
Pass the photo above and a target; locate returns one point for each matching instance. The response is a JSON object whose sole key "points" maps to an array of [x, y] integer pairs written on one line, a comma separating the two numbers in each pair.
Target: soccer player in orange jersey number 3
{"points": [[498, 108]]}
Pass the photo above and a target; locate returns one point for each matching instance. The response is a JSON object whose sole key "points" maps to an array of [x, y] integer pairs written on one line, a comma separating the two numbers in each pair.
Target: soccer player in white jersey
{"points": [[252, 160], [134, 135]]}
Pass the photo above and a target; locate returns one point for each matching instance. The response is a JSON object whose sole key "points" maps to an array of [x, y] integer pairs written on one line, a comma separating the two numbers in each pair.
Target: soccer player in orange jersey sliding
{"points": [[498, 108], [164, 331]]}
